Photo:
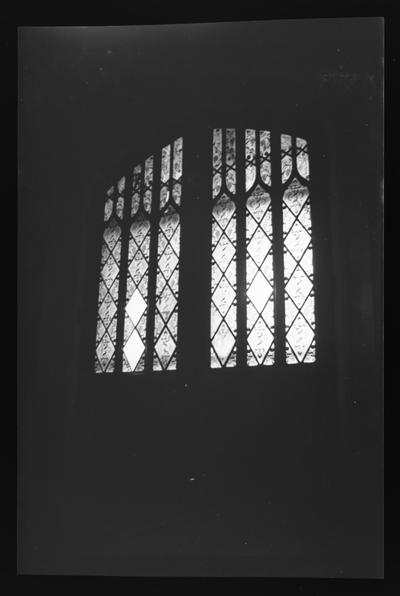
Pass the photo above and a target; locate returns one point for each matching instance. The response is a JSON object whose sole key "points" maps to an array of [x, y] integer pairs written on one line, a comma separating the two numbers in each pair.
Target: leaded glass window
{"points": [[167, 287], [106, 334], [142, 206], [138, 269], [262, 194], [262, 302], [223, 264], [259, 260], [297, 252]]}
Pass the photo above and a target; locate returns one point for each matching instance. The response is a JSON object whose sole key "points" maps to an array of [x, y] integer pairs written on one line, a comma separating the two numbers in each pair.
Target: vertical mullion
{"points": [[151, 295], [224, 168], [241, 292], [257, 156], [195, 256], [277, 226], [125, 225]]}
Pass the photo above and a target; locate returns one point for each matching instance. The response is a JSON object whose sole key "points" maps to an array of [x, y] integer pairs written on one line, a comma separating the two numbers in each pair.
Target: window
{"points": [[106, 336], [261, 270]]}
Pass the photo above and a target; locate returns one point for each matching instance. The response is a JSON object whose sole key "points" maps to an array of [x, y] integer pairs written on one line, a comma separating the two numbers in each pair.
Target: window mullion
{"points": [[154, 218], [241, 248], [279, 302]]}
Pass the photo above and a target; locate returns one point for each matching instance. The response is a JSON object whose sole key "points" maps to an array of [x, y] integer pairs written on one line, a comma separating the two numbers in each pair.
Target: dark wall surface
{"points": [[130, 475]]}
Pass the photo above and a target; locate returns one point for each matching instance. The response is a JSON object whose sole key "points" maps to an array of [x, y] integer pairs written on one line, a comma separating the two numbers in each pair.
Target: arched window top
{"points": [[261, 291]]}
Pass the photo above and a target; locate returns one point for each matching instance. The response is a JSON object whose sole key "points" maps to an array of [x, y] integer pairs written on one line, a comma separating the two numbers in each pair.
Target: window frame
{"points": [[197, 195]]}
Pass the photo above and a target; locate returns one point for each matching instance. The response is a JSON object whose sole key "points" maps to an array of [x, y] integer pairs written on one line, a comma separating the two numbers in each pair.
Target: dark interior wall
{"points": [[91, 101]]}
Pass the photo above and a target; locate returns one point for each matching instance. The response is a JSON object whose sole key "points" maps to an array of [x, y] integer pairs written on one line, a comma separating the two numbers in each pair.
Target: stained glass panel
{"points": [[230, 160], [286, 157], [223, 262], [165, 175], [177, 167], [167, 281], [223, 275], [217, 161], [250, 158], [265, 156], [121, 185], [120, 207], [136, 188], [136, 298], [165, 163], [108, 207], [108, 298], [298, 264], [259, 279], [167, 291], [303, 166], [136, 295], [148, 184]]}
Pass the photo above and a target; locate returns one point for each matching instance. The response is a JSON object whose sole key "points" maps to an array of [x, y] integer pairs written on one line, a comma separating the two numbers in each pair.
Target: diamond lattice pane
{"points": [[259, 291], [260, 342], [136, 307], [133, 349], [298, 269], [223, 343], [259, 277], [136, 300], [112, 234], [298, 287], [223, 275], [223, 296], [164, 349], [108, 294], [295, 196], [299, 337], [167, 288]]}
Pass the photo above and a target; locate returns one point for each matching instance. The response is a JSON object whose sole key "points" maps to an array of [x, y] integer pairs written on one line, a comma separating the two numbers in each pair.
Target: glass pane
{"points": [[177, 192], [217, 161], [230, 146], [223, 273], [286, 156], [230, 159], [259, 279], [167, 291], [298, 272], [165, 163], [137, 178], [303, 166], [148, 183], [177, 164], [135, 203], [137, 189], [121, 185], [265, 156], [108, 207], [108, 298], [250, 158], [120, 207], [136, 296]]}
